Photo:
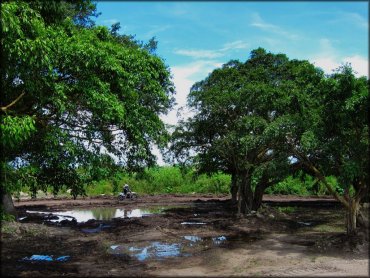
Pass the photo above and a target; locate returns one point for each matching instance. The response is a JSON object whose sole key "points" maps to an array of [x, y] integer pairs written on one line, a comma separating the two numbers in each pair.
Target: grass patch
{"points": [[9, 227], [288, 209]]}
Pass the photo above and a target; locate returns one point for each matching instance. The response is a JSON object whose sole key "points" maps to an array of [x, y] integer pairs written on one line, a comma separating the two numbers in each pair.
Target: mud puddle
{"points": [[45, 258], [158, 250], [193, 223], [85, 215]]}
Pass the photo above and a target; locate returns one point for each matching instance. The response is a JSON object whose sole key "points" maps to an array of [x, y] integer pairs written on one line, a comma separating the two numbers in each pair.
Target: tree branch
{"points": [[321, 178], [4, 108], [328, 186]]}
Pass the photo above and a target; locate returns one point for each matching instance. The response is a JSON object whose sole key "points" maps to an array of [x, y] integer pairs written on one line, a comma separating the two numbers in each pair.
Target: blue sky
{"points": [[196, 37]]}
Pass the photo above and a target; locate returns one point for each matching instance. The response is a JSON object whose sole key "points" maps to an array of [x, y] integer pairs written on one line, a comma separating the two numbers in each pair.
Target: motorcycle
{"points": [[130, 195]]}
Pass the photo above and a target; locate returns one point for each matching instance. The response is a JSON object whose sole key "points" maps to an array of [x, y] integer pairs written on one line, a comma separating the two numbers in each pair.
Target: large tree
{"points": [[71, 91], [236, 127], [329, 136], [269, 117]]}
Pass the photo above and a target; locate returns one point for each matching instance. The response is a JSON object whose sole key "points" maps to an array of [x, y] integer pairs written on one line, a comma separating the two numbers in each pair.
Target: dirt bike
{"points": [[130, 195]]}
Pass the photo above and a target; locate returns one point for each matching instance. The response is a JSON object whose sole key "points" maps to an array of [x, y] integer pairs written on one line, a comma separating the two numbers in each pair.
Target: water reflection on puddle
{"points": [[156, 250], [161, 250], [193, 238], [83, 215], [193, 223], [219, 240], [207, 240], [46, 258]]}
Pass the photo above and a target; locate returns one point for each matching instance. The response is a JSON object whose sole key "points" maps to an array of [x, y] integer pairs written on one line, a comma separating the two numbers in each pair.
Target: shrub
{"points": [[289, 186], [99, 187]]}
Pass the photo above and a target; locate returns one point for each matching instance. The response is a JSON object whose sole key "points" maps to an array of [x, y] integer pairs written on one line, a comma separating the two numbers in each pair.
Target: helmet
{"points": [[126, 186]]}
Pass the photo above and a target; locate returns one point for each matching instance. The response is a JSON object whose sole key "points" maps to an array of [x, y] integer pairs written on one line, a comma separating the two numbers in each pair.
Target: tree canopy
{"points": [[270, 117], [72, 91], [236, 128], [329, 136]]}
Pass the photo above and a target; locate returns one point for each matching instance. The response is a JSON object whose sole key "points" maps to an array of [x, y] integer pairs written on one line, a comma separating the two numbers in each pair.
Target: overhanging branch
{"points": [[4, 108]]}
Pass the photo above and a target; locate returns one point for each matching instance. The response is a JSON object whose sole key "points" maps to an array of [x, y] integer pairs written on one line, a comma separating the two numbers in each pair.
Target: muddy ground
{"points": [[185, 235]]}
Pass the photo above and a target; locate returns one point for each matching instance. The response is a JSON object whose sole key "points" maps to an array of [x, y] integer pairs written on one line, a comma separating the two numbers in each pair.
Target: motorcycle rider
{"points": [[126, 193], [126, 189]]}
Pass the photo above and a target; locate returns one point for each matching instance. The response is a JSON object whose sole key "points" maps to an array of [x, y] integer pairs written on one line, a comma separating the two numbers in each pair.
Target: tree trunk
{"points": [[352, 217], [245, 195], [258, 194], [234, 188], [363, 218], [249, 192], [351, 204], [7, 204], [241, 199]]}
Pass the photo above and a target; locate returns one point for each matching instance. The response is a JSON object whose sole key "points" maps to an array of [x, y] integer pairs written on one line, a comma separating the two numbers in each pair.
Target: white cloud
{"points": [[199, 53], [328, 59], [327, 64], [351, 18], [258, 22], [357, 19], [326, 47], [235, 45], [184, 77], [211, 54], [359, 64]]}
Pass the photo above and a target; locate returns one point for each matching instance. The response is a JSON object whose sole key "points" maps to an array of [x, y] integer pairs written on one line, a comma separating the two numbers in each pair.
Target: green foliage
{"points": [[5, 216], [242, 115], [14, 130], [288, 186], [54, 12], [100, 187], [216, 183], [160, 180], [250, 119], [72, 91], [329, 134], [167, 178], [286, 209]]}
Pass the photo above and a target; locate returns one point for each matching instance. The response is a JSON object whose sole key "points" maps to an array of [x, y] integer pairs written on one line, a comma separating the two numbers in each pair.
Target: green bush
{"points": [[166, 179], [289, 186], [303, 185], [5, 216], [170, 179], [158, 180], [217, 183], [100, 187]]}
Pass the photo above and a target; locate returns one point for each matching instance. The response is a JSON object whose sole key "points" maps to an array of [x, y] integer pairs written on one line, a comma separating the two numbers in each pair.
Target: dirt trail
{"points": [[187, 235]]}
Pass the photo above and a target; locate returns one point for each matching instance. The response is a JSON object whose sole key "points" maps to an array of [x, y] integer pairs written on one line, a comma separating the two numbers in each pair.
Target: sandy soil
{"points": [[290, 236]]}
